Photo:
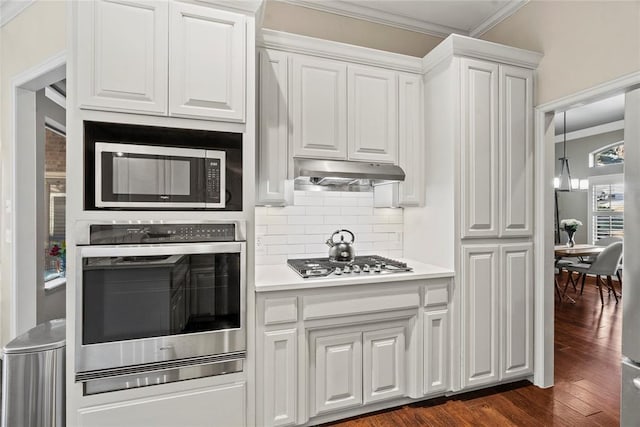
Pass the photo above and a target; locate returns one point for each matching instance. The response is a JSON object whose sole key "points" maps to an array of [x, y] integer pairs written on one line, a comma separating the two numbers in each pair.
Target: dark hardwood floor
{"points": [[587, 380]]}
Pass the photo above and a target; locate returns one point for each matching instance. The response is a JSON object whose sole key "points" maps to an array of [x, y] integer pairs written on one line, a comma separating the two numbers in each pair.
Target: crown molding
{"points": [[457, 45], [356, 11], [295, 43], [592, 94], [502, 14], [591, 131], [9, 9], [245, 6]]}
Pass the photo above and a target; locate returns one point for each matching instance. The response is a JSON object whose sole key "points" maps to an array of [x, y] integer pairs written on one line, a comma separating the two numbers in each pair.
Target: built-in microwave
{"points": [[148, 176]]}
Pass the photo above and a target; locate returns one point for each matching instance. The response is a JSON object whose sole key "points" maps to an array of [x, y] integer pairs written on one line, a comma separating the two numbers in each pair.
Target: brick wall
{"points": [[300, 230], [55, 150]]}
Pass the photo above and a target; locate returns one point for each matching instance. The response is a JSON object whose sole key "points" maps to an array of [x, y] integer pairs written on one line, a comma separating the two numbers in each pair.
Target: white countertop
{"points": [[282, 277]]}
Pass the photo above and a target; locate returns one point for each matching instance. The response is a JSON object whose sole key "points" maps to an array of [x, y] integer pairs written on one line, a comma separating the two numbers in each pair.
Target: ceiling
{"points": [[592, 115], [435, 17]]}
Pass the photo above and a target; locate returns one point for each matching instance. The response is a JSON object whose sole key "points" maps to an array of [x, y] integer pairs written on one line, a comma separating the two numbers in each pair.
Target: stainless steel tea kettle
{"points": [[341, 251]]}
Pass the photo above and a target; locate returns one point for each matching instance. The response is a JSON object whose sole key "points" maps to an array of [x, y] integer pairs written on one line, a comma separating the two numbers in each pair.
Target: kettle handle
{"points": [[353, 238]]}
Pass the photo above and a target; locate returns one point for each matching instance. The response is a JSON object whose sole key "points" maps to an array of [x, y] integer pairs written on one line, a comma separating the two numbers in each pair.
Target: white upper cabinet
{"points": [[206, 63], [161, 58], [372, 114], [319, 108], [479, 162], [497, 153], [340, 103], [123, 55], [273, 133], [411, 139], [516, 151]]}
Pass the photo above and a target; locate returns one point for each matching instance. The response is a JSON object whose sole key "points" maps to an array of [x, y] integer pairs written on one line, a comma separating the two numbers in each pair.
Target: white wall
{"points": [[584, 43], [574, 204], [35, 35], [323, 25], [301, 230]]}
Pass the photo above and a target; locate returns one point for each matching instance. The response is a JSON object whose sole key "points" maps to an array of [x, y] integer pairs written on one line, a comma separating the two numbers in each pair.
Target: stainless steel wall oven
{"points": [[159, 301]]}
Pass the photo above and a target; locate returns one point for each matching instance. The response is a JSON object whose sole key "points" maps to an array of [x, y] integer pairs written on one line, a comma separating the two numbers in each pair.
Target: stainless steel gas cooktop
{"points": [[361, 265]]}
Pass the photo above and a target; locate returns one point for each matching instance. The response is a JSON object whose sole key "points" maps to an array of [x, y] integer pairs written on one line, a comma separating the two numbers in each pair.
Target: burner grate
{"points": [[364, 264]]}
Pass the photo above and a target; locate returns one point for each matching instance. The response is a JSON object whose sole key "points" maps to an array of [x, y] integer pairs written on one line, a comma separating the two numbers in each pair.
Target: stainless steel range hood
{"points": [[333, 172]]}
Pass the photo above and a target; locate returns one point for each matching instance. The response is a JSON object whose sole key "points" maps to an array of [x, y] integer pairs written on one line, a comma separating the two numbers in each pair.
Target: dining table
{"points": [[581, 252]]}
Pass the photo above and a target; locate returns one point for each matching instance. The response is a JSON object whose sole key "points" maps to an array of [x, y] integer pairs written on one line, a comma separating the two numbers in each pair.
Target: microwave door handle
{"points": [[150, 250]]}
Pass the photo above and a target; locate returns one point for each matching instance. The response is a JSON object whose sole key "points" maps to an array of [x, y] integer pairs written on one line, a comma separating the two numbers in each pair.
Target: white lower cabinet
{"points": [[383, 364], [362, 366], [280, 379], [516, 297], [497, 313], [335, 370], [436, 354], [323, 354], [480, 314], [207, 407]]}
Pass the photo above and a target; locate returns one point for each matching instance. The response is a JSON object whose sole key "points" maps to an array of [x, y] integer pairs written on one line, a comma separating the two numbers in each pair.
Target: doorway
{"points": [[26, 201], [544, 263]]}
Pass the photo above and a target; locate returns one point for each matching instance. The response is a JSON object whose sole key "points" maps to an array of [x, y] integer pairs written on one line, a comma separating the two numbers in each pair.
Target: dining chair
{"points": [[605, 241], [606, 264]]}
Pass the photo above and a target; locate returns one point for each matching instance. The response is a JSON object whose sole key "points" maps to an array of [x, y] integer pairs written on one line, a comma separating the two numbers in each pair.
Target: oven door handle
{"points": [[170, 249]]}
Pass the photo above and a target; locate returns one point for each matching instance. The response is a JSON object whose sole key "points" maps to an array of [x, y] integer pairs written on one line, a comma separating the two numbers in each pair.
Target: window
{"points": [[610, 155], [607, 207], [55, 149]]}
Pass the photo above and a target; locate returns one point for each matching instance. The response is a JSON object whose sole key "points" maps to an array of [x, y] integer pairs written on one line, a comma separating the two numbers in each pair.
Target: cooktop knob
{"points": [[346, 269], [365, 268], [338, 271], [356, 269], [377, 268]]}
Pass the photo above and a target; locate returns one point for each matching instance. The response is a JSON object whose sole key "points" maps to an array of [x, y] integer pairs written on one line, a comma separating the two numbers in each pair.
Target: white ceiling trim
{"points": [[457, 45], [272, 39], [367, 14], [9, 9], [592, 131], [502, 14]]}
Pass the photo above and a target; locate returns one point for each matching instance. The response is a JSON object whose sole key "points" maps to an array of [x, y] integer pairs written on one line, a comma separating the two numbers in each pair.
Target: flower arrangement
{"points": [[60, 252], [570, 224]]}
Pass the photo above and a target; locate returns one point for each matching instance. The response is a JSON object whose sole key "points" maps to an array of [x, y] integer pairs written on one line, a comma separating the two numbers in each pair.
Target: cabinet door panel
{"points": [[516, 325], [383, 364], [207, 63], [280, 377], [319, 108], [516, 148], [372, 116], [436, 354], [123, 55], [273, 136], [337, 372], [411, 140], [480, 314], [479, 165], [224, 406]]}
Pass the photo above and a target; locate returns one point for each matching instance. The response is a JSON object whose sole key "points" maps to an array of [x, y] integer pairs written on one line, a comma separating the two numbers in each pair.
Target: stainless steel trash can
{"points": [[33, 391]]}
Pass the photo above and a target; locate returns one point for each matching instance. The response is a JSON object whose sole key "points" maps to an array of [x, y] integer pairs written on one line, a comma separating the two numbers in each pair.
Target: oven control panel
{"points": [[113, 234]]}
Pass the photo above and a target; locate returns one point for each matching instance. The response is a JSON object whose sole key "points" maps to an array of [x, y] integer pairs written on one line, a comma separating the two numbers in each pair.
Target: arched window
{"points": [[612, 154]]}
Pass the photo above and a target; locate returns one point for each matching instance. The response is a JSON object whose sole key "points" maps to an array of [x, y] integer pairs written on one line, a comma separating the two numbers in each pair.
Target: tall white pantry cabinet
{"points": [[479, 196]]}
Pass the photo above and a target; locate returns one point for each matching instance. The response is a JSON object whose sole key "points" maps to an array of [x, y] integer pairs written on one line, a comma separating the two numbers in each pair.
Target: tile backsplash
{"points": [[301, 230]]}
